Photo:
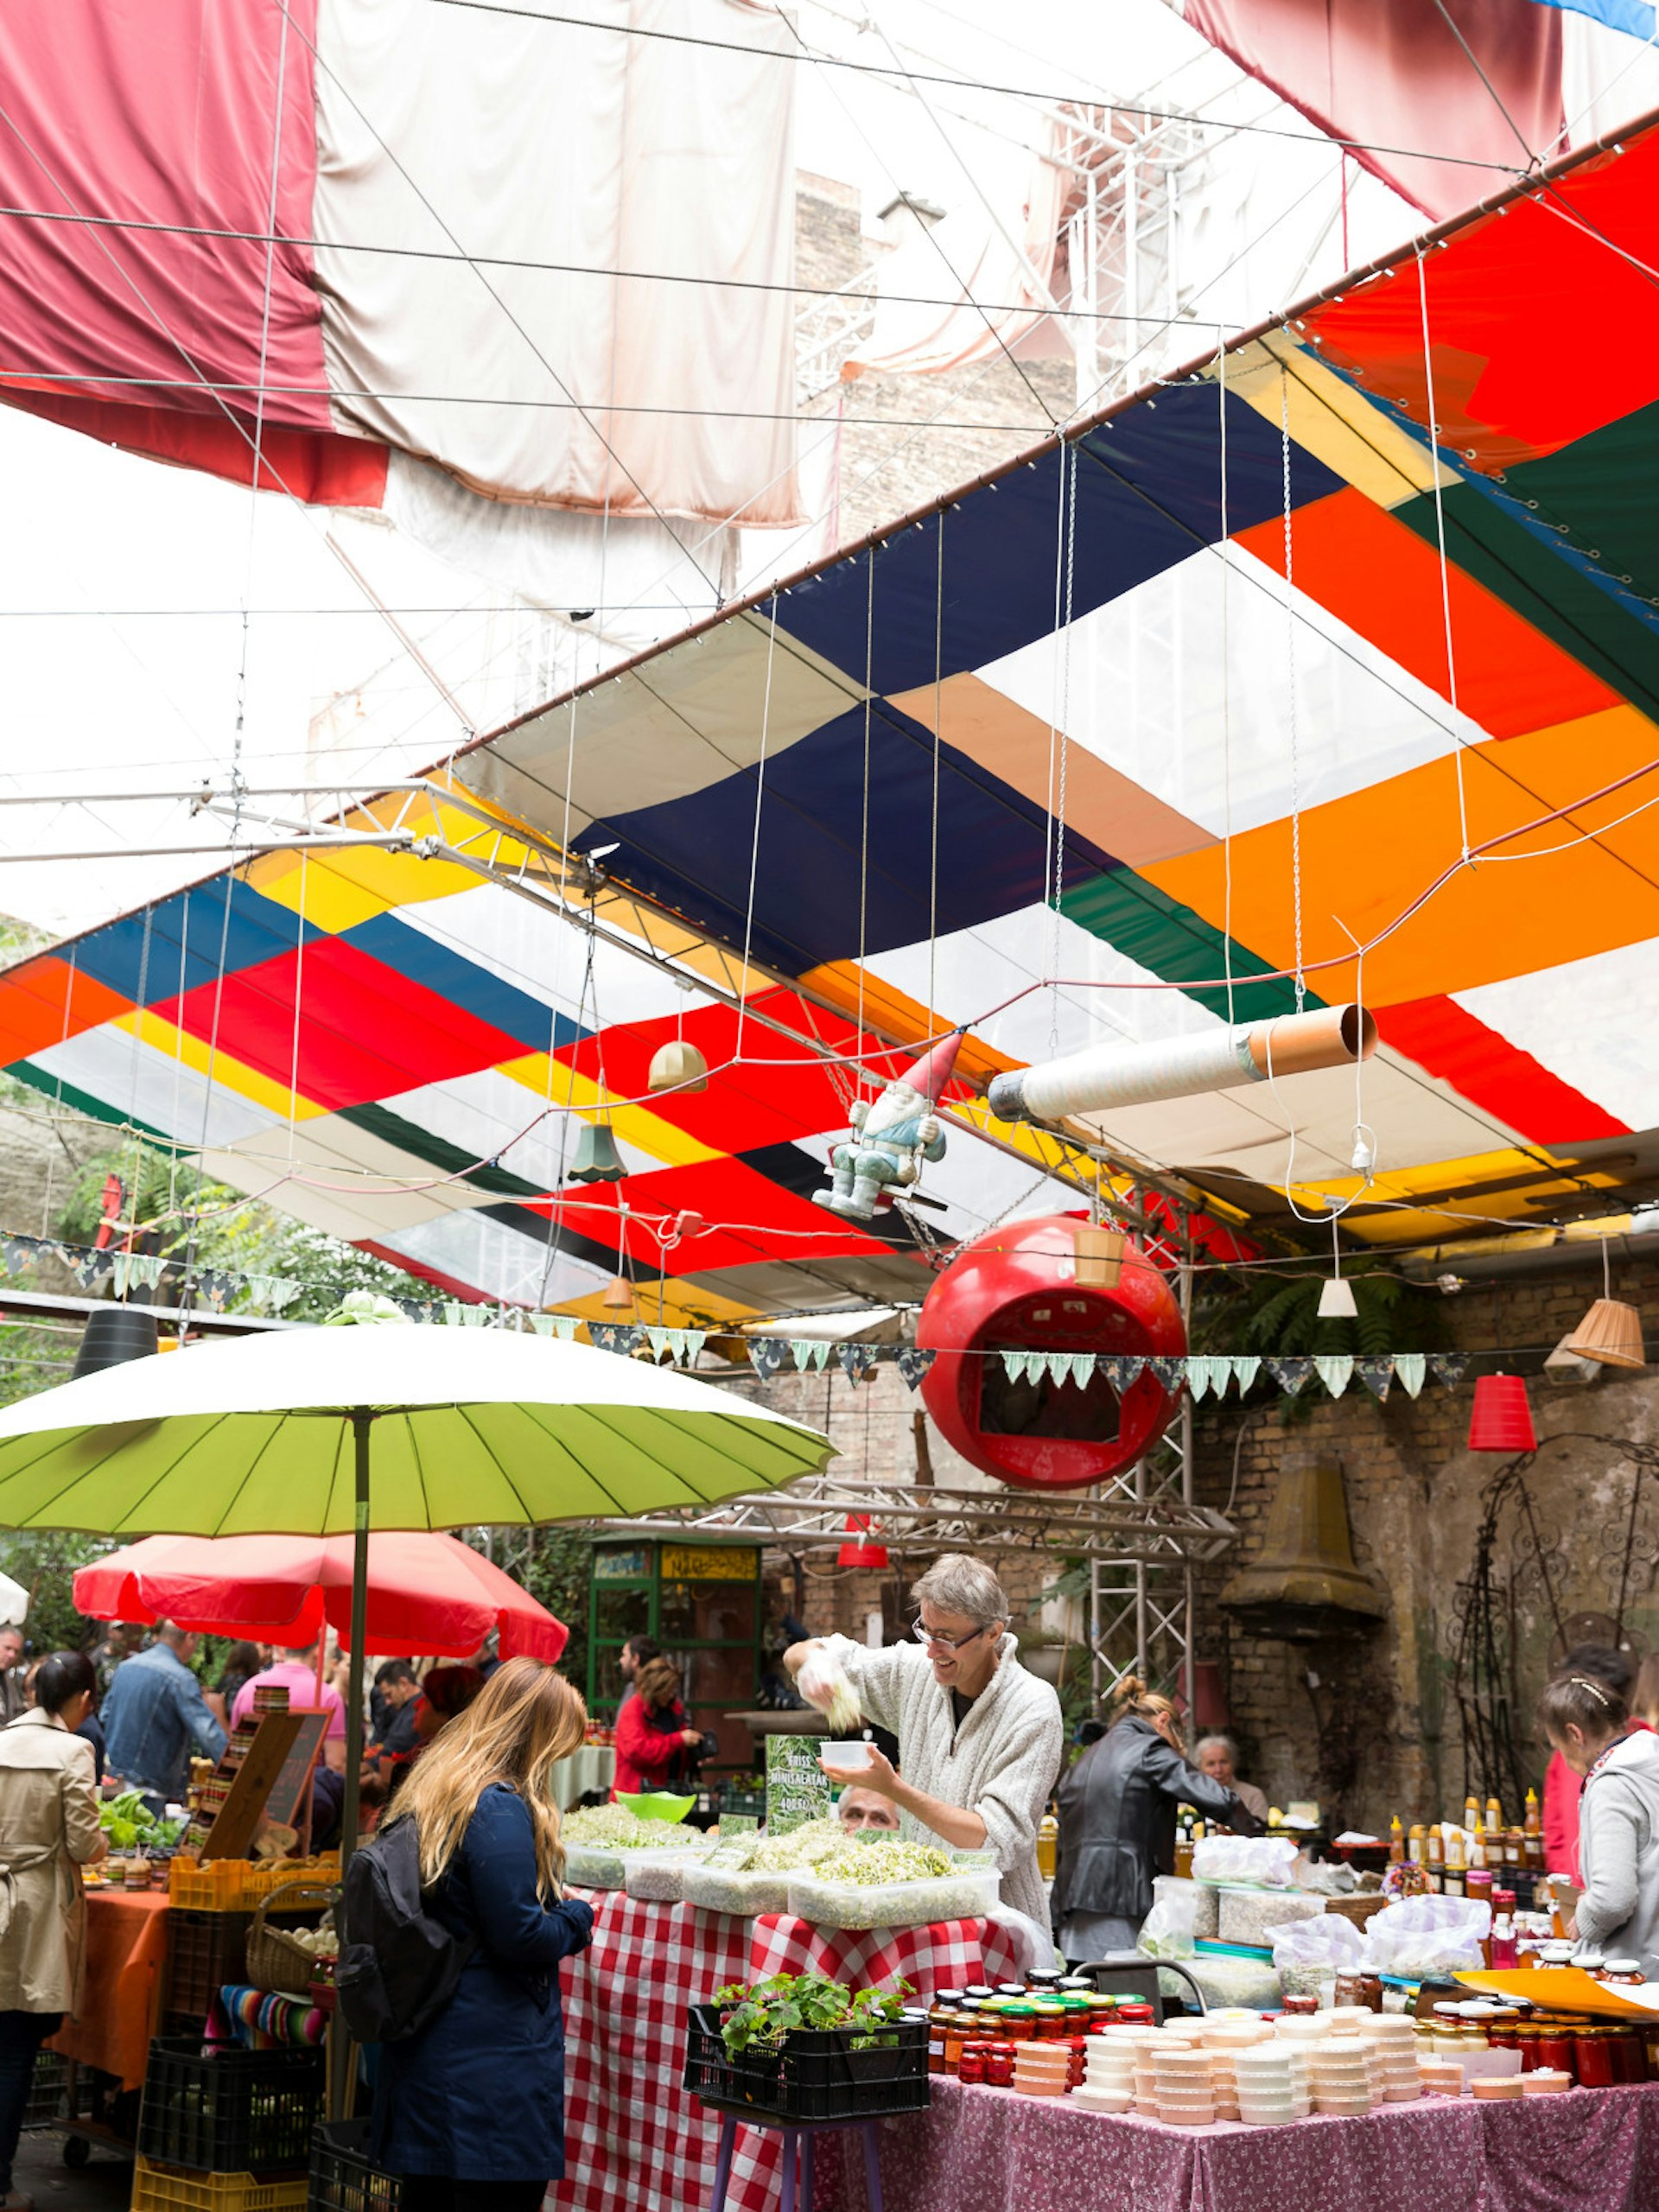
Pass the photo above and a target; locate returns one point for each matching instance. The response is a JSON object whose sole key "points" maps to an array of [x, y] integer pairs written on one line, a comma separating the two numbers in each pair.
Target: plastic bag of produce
{"points": [[1249, 1982], [1166, 1931], [1309, 1955], [1204, 1901], [1249, 1917], [1427, 1934], [1268, 1859]]}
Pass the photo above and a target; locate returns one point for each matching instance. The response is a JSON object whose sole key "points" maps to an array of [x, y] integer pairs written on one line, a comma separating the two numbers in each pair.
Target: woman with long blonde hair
{"points": [[1118, 1809], [470, 2111]]}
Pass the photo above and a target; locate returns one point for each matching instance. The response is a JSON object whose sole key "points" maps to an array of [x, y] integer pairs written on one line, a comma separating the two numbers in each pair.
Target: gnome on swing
{"points": [[892, 1135]]}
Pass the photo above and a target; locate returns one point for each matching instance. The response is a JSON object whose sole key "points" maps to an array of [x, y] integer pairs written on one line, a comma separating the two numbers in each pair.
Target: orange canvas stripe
{"points": [[46, 999], [1366, 856], [1379, 576]]}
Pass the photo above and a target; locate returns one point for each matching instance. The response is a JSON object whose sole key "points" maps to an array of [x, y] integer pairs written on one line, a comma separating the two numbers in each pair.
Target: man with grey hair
{"points": [[980, 1739], [1218, 1756], [12, 1699]]}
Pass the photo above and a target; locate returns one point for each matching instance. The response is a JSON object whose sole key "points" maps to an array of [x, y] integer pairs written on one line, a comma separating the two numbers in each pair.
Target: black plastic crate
{"points": [[748, 1803], [47, 2103], [204, 1950], [218, 2108], [343, 2177], [862, 2072]]}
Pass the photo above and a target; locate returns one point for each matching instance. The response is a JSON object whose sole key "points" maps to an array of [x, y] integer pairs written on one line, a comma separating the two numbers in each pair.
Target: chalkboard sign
{"points": [[287, 1800], [798, 1788]]}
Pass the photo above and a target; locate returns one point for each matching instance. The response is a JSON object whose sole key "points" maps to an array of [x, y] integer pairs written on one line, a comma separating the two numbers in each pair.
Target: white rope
{"points": [[1290, 637], [1445, 577], [754, 840]]}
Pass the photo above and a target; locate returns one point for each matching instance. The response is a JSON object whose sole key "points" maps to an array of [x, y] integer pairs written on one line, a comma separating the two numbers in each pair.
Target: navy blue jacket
{"points": [[480, 2094]]}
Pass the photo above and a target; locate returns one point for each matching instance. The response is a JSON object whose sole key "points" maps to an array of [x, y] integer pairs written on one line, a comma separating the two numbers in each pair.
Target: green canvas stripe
{"points": [[1550, 593], [1605, 488], [1174, 944], [392, 1129], [96, 1110]]}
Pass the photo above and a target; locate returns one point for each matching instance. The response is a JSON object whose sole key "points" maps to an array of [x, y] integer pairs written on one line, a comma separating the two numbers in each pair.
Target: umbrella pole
{"points": [[342, 2058]]}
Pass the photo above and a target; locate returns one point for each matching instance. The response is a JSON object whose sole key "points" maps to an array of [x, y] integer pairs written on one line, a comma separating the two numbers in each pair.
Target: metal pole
{"points": [[342, 2052], [1189, 1639]]}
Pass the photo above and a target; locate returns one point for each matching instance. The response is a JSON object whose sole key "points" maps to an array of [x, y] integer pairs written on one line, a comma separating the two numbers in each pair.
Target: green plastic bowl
{"points": [[655, 1804]]}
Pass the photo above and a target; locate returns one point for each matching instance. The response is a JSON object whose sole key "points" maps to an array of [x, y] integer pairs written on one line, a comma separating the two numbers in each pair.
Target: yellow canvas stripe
{"points": [[1279, 377], [224, 1070], [680, 1304], [1455, 1193], [635, 1125]]}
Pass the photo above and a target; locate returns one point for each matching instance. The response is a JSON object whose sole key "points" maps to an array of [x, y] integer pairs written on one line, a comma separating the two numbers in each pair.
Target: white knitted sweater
{"points": [[1000, 1764]]}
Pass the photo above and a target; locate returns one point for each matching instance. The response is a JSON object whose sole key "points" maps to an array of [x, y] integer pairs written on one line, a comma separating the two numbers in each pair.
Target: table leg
{"points": [[872, 2166], [806, 2169], [788, 2202], [723, 2163]]}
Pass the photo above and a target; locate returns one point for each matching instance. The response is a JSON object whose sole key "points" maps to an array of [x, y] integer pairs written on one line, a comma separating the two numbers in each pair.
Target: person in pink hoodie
{"points": [[1562, 1787]]}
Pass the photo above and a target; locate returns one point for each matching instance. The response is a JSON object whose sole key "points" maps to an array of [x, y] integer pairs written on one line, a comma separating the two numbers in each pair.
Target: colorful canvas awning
{"points": [[1255, 672]]}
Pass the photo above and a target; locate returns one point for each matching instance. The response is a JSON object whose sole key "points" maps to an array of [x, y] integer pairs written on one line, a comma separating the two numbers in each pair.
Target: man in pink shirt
{"points": [[297, 1673]]}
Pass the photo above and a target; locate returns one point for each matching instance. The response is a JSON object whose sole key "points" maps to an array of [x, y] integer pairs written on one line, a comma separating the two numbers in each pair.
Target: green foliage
{"points": [[1278, 1316], [44, 1561], [556, 1573], [760, 2015]]}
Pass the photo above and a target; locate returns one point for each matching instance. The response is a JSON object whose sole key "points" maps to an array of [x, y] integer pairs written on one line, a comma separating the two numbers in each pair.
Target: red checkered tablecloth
{"points": [[634, 2141]]}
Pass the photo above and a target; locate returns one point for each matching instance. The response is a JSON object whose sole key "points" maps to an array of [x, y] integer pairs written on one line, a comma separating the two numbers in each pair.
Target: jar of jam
{"points": [[1370, 1991], [1016, 1990], [1558, 2047], [1346, 1992], [999, 2066], [1297, 2005], [1051, 2022], [1624, 1973], [1526, 2042], [1101, 2010], [1019, 2023], [1650, 2045], [1501, 2029], [971, 2072], [958, 2029], [1134, 2015], [1598, 2062]]}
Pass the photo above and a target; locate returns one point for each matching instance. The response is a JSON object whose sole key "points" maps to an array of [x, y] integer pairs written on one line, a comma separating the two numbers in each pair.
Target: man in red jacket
{"points": [[1562, 1788]]}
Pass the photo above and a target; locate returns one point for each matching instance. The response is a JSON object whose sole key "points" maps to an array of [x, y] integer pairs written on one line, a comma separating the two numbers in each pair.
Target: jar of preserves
{"points": [[1019, 2023], [1650, 2045], [938, 2016], [1558, 2048], [1624, 1972], [971, 2072], [1051, 2022], [1133, 2014], [1630, 2056], [1598, 2062], [1346, 1992], [1077, 2045], [999, 2066], [1300, 2005], [1526, 2042], [1370, 1991]]}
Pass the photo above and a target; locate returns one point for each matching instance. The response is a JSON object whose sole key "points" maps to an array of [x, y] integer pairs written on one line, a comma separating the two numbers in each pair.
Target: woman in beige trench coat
{"points": [[49, 1832]]}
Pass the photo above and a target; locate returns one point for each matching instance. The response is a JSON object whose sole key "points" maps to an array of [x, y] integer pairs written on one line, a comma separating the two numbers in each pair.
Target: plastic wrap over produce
{"points": [[1426, 1934], [1309, 1955], [1249, 1917], [1270, 1860], [1249, 1982], [892, 1884], [757, 1880]]}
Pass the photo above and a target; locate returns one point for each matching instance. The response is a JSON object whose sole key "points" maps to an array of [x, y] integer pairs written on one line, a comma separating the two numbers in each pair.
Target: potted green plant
{"points": [[802, 2046]]}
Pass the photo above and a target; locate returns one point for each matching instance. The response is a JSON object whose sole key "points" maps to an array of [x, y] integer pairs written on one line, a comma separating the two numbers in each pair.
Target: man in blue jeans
{"points": [[154, 1712]]}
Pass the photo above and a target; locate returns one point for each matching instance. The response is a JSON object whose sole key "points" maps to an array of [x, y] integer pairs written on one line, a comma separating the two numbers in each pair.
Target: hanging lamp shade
{"points": [[677, 1067], [1100, 1257], [1611, 1333], [1502, 1420], [114, 1335], [1337, 1301], [597, 1159], [619, 1295], [872, 1557]]}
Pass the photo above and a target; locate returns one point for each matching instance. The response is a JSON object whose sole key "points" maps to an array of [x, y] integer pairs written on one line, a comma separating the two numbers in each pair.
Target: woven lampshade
{"points": [[677, 1067], [1611, 1333], [1100, 1257]]}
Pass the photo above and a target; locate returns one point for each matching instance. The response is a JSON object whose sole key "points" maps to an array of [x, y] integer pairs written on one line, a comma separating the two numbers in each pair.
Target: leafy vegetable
{"points": [[130, 1824], [762, 2014], [890, 1859]]}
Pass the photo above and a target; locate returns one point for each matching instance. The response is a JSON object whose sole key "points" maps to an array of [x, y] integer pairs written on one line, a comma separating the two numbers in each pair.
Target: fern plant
{"points": [[1277, 1316]]}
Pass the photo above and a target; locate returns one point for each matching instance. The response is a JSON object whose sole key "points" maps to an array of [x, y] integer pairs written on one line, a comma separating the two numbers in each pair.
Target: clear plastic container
{"points": [[966, 1893]]}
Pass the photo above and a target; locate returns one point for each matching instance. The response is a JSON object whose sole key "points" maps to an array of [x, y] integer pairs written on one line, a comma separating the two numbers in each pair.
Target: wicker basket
{"points": [[276, 1961]]}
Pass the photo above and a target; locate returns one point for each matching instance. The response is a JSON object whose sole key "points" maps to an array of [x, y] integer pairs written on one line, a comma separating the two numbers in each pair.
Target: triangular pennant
{"points": [[543, 1322], [1171, 1373], [622, 1337], [1290, 1374], [1246, 1367], [1375, 1375], [19, 1253], [688, 1342], [284, 1292], [1016, 1365], [660, 1340], [92, 1267], [1204, 1373], [856, 1360], [1408, 1370], [765, 1355], [1122, 1372], [914, 1363], [1336, 1371], [1448, 1367]]}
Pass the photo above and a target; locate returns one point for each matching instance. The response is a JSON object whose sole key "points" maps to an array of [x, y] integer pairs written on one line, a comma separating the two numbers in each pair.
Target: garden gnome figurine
{"points": [[892, 1135]]}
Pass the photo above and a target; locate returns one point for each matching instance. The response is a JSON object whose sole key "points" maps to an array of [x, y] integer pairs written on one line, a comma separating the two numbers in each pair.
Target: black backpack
{"points": [[398, 1967]]}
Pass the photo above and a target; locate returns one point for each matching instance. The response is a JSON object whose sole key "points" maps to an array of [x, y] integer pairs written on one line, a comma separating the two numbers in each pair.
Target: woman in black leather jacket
{"points": [[1117, 1823]]}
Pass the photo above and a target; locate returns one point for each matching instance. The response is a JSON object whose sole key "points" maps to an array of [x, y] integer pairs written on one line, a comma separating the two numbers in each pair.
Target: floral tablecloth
{"points": [[634, 2141], [994, 2151]]}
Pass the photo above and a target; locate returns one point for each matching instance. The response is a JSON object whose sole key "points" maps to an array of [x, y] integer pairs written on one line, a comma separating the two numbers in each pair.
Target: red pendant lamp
{"points": [[1502, 1419], [873, 1557]]}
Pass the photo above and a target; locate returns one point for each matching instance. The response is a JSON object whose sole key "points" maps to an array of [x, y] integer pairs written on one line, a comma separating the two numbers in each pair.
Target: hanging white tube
{"points": [[1106, 1075]]}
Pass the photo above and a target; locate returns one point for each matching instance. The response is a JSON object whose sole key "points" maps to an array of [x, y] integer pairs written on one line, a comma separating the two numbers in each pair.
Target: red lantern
{"points": [[1015, 1289], [1502, 1419], [871, 1556]]}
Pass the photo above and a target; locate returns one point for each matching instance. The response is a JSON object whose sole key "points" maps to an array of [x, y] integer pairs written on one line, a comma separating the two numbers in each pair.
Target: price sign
{"points": [[798, 1788]]}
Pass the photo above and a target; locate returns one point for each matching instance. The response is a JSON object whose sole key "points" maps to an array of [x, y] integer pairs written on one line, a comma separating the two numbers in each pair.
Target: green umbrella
{"points": [[317, 1432]]}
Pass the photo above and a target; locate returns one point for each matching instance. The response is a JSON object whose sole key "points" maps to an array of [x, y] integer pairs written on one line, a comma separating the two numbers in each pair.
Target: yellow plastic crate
{"points": [[237, 1885], [157, 2188]]}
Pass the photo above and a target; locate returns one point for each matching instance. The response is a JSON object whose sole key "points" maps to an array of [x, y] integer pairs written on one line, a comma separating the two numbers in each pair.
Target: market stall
{"points": [[634, 2141]]}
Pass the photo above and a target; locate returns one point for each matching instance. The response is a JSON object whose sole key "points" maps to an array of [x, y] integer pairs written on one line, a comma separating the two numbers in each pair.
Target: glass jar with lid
{"points": [[1558, 2047], [1597, 2060], [1625, 1971]]}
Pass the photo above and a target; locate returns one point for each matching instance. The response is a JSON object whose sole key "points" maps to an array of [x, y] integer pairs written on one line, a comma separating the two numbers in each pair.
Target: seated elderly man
{"points": [[1218, 1756], [863, 1808], [980, 1739]]}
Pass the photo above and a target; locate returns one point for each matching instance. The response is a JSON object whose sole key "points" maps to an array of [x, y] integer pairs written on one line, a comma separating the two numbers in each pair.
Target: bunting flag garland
{"points": [[1246, 1367], [1290, 1374], [765, 1355], [813, 1353], [1172, 1373], [1017, 1365], [856, 1360], [1409, 1368], [912, 1364], [623, 1337], [1447, 1367], [1336, 1371], [1204, 1374], [1375, 1375], [1122, 1373]]}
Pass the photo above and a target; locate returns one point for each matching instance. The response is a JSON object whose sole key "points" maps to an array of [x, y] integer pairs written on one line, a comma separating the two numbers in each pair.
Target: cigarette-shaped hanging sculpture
{"points": [[892, 1135], [1106, 1076]]}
